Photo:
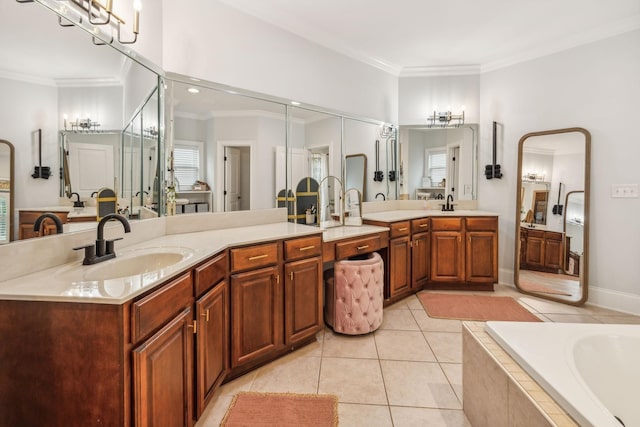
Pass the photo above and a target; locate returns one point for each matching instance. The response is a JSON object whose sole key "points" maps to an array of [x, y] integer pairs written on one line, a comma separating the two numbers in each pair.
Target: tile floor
{"points": [[407, 373]]}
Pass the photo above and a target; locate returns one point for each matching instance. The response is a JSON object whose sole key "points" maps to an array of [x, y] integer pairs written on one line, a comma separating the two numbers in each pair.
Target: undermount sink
{"points": [[135, 263]]}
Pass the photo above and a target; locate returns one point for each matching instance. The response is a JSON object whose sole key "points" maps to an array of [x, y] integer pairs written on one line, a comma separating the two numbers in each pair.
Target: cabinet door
{"points": [[212, 343], [447, 256], [535, 251], [482, 257], [553, 254], [399, 265], [302, 299], [256, 298], [163, 375], [419, 260]]}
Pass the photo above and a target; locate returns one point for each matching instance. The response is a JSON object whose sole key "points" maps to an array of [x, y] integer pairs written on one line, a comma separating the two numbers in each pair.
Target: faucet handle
{"points": [[89, 253], [110, 246]]}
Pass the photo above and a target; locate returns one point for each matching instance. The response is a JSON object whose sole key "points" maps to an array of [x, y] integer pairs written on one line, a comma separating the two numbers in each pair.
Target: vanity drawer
{"points": [[553, 235], [358, 246], [446, 224], [302, 248], [152, 311], [535, 233], [210, 273], [482, 224], [419, 225], [400, 228], [254, 256]]}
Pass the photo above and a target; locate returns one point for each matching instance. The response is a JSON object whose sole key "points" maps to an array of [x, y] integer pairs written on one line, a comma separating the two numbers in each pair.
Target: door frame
{"points": [[219, 185]]}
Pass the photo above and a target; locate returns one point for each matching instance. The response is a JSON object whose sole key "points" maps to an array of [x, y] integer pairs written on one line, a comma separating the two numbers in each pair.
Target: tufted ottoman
{"points": [[354, 295]]}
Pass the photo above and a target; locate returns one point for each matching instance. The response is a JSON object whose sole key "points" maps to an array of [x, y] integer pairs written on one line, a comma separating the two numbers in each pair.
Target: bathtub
{"points": [[591, 370]]}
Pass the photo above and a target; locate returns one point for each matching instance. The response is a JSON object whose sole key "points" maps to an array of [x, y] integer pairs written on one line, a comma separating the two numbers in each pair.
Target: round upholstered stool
{"points": [[354, 295]]}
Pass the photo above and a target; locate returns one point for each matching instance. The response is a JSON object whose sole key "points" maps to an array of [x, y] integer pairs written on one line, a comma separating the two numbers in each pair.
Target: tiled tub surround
{"points": [[497, 391]]}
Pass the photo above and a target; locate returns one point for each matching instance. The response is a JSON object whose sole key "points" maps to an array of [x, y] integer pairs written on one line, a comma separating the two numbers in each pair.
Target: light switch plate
{"points": [[624, 191]]}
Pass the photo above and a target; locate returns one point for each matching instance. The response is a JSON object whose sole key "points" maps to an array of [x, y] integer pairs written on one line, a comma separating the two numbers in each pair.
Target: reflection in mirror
{"points": [[353, 207], [355, 169], [228, 149], [6, 191], [551, 259], [378, 143], [438, 162], [330, 209], [57, 80]]}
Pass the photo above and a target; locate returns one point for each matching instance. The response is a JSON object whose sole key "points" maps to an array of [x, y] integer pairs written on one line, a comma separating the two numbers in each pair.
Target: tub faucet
{"points": [[103, 250], [380, 194], [448, 207], [77, 203], [52, 216]]}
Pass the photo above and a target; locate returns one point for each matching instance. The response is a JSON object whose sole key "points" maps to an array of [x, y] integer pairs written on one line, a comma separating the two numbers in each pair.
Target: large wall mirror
{"points": [[436, 162], [57, 80], [6, 191], [552, 215]]}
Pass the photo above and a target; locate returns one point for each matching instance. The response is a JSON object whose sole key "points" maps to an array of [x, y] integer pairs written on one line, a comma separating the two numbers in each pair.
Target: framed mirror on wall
{"points": [[6, 191], [552, 215]]}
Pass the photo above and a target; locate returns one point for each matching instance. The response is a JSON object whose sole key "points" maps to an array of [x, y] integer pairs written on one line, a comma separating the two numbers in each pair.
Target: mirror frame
{"points": [[11, 188], [362, 190], [584, 280]]}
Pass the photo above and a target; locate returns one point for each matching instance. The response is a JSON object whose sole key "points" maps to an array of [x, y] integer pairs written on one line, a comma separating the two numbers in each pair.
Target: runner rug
{"points": [[474, 307], [282, 409]]}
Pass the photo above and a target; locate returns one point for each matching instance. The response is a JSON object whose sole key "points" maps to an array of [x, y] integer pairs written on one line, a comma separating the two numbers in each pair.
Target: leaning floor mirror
{"points": [[552, 215]]}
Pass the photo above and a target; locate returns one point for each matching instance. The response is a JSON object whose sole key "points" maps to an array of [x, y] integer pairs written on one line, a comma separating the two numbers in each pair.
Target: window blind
{"points": [[186, 165]]}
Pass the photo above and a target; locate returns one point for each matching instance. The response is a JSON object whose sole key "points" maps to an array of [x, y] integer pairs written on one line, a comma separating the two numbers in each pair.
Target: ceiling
{"points": [[403, 37], [422, 37]]}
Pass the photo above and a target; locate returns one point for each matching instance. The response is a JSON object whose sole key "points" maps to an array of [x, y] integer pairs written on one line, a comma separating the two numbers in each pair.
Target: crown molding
{"points": [[438, 71], [27, 78]]}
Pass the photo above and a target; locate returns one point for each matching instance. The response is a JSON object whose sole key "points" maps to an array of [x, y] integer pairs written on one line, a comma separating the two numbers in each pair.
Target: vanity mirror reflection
{"points": [[58, 80], [6, 191], [551, 258], [436, 162]]}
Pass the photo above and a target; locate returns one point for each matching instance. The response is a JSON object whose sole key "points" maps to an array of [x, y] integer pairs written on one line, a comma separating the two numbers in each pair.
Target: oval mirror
{"points": [[552, 215]]}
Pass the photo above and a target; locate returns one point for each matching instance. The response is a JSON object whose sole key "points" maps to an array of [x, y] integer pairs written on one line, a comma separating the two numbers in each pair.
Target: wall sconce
{"points": [[81, 125], [99, 14], [445, 119]]}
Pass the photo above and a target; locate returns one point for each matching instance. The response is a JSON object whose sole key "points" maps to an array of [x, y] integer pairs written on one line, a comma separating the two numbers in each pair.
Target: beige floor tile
{"points": [[571, 318], [426, 323], [453, 372], [419, 384], [352, 380], [313, 349], [354, 346], [215, 412], [414, 303], [242, 383], [400, 305], [421, 417], [290, 374], [620, 319], [402, 320], [549, 307], [403, 345], [447, 346], [356, 415]]}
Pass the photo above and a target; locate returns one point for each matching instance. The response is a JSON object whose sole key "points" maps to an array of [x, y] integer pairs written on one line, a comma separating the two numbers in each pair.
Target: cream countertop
{"points": [[67, 282], [401, 215], [347, 232]]}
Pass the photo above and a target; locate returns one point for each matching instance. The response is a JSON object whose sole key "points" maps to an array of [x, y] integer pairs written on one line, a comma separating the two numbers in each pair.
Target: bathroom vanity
{"points": [[438, 250]]}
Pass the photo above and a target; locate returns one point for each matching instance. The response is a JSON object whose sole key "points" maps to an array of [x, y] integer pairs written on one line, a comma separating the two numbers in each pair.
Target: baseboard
{"points": [[599, 297]]}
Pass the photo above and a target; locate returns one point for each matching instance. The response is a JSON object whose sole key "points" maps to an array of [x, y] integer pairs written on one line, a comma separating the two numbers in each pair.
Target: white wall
{"points": [[32, 107], [595, 86], [102, 104], [419, 95], [212, 41]]}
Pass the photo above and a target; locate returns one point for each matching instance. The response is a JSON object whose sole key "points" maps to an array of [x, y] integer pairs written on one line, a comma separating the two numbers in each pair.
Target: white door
{"points": [[231, 179], [91, 167]]}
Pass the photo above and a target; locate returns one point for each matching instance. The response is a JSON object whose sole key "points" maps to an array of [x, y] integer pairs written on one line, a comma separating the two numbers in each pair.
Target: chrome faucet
{"points": [[103, 250], [54, 217], [448, 207]]}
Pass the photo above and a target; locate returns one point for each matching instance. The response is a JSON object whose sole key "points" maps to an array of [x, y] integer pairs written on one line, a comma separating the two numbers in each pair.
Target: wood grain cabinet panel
{"points": [[420, 249], [447, 256], [302, 299], [399, 266], [256, 256], [302, 248], [163, 375], [481, 257]]}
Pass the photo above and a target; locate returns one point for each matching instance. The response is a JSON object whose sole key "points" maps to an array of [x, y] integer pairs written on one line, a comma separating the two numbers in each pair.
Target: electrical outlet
{"points": [[624, 191]]}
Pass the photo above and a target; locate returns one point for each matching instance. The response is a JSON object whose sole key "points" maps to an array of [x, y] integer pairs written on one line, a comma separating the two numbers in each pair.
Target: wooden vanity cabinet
{"points": [[212, 320], [420, 250], [464, 252], [541, 250]]}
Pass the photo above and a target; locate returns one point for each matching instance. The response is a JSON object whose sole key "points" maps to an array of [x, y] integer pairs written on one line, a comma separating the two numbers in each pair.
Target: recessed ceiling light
{"points": [[193, 90]]}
